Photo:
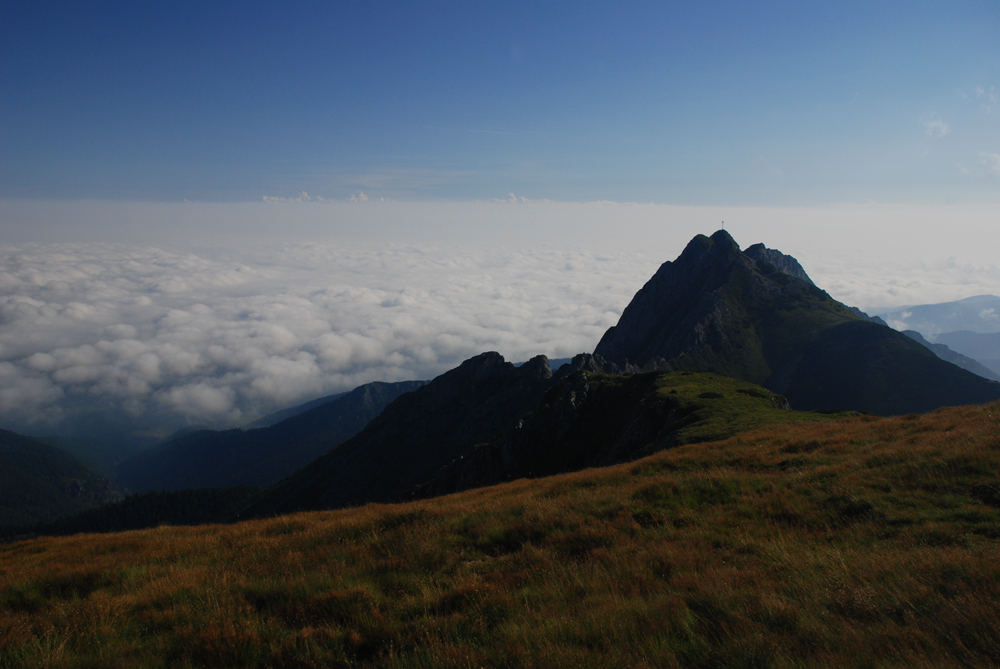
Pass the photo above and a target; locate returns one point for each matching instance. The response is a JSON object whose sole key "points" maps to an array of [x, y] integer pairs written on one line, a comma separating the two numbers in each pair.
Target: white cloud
{"points": [[179, 338], [146, 331], [992, 162], [988, 96], [302, 197], [935, 127]]}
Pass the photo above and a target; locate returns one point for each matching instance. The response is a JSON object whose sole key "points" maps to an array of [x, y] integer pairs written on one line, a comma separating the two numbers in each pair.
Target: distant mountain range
{"points": [[979, 314], [946, 353], [983, 347]]}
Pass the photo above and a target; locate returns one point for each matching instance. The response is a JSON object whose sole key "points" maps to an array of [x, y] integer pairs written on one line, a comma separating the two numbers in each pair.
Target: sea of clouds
{"points": [[154, 327], [219, 338]]}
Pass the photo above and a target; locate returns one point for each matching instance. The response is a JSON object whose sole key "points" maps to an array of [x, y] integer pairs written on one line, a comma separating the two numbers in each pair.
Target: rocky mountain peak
{"points": [[756, 316], [684, 309]]}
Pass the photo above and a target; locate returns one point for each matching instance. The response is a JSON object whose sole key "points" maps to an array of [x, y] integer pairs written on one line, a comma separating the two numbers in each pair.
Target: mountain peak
{"points": [[725, 241], [757, 316]]}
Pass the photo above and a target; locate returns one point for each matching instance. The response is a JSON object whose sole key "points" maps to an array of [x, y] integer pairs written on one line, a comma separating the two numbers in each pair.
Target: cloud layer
{"points": [[167, 339], [152, 336]]}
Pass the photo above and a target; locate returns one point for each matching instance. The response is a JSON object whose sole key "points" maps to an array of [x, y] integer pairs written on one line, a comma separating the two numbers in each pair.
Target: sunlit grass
{"points": [[858, 542]]}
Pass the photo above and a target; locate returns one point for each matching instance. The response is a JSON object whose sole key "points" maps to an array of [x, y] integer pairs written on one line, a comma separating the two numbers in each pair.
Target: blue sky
{"points": [[765, 104]]}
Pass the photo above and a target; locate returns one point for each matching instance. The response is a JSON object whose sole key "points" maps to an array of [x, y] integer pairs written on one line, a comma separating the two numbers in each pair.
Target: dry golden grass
{"points": [[862, 542]]}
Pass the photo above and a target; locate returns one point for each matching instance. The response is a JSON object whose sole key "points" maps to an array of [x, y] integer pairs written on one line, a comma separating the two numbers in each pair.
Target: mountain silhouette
{"points": [[717, 309]]}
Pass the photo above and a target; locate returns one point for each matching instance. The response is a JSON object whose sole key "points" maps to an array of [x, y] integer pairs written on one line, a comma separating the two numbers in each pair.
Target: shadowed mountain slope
{"points": [[209, 458], [717, 309], [39, 483], [487, 422], [416, 435], [148, 509], [590, 419]]}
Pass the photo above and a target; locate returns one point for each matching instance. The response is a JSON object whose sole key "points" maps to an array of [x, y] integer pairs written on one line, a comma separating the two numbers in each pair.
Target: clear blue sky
{"points": [[744, 103]]}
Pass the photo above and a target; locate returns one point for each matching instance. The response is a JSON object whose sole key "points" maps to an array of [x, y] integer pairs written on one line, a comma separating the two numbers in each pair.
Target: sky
{"points": [[723, 103], [210, 211]]}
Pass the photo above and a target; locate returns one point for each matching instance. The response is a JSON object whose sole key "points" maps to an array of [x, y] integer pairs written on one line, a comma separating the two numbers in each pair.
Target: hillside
{"points": [[488, 421], [39, 483], [717, 309], [415, 436], [593, 420], [262, 456], [859, 542]]}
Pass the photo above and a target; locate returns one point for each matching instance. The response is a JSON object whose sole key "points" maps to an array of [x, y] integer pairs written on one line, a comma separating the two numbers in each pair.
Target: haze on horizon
{"points": [[208, 212]]}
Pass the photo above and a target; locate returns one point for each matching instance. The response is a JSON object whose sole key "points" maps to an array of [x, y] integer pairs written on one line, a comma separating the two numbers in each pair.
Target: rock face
{"points": [[778, 260], [718, 309], [874, 319], [584, 420]]}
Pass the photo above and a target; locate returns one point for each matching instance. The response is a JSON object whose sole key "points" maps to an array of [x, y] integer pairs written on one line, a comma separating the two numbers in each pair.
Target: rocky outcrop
{"points": [[585, 420], [764, 256], [873, 319]]}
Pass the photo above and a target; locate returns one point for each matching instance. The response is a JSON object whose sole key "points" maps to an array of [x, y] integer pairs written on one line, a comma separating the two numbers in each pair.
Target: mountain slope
{"points": [[592, 419], [857, 543], [716, 309], [39, 483], [416, 435], [209, 458], [284, 414]]}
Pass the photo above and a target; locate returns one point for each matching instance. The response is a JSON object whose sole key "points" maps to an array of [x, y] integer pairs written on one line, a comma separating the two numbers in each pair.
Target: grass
{"points": [[717, 407], [859, 542]]}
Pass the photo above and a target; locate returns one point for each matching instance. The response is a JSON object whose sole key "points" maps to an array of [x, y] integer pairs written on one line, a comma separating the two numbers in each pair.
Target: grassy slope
{"points": [[717, 407], [858, 542]]}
